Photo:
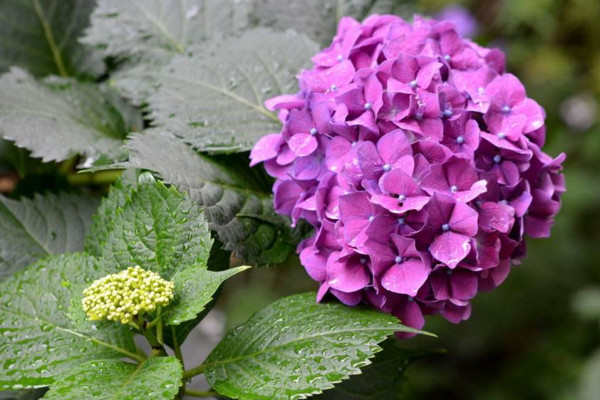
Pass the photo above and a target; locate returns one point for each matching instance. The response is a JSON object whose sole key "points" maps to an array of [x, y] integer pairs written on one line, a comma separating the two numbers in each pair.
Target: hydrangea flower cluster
{"points": [[418, 161], [122, 296]]}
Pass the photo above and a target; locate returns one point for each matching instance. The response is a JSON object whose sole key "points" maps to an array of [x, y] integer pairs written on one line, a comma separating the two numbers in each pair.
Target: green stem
{"points": [[159, 328], [177, 350], [194, 371], [199, 393], [176, 347], [96, 178], [157, 348]]}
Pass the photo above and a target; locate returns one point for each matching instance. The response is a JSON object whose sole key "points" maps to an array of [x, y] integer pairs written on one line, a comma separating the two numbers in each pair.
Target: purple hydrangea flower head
{"points": [[418, 161]]}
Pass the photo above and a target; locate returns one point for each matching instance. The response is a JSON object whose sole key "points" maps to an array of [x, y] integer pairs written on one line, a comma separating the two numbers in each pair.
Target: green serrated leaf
{"points": [[106, 216], [194, 288], [148, 33], [157, 228], [31, 229], [214, 100], [217, 261], [41, 36], [156, 378], [305, 348], [382, 379], [37, 340], [229, 207], [61, 118]]}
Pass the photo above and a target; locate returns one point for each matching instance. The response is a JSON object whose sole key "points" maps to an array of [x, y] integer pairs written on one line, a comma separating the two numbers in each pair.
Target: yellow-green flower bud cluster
{"points": [[121, 296]]}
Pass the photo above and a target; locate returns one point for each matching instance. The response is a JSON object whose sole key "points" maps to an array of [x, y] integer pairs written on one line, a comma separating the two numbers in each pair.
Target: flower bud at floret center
{"points": [[124, 295]]}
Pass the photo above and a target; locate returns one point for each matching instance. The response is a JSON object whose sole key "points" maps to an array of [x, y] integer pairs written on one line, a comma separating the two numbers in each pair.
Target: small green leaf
{"points": [[194, 288], [41, 36], [37, 339], [152, 226], [214, 99], [156, 378], [382, 379], [61, 118], [233, 210], [304, 347], [31, 229]]}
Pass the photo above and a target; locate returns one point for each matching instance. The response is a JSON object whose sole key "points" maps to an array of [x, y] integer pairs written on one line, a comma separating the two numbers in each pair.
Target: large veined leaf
{"points": [[62, 118], [147, 27], [382, 379], [37, 340], [31, 229], [319, 18], [41, 36], [157, 378], [304, 347], [215, 101], [243, 219], [156, 227], [194, 289], [146, 34]]}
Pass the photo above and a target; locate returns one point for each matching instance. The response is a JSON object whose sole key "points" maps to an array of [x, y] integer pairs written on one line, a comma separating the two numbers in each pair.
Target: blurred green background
{"points": [[533, 338]]}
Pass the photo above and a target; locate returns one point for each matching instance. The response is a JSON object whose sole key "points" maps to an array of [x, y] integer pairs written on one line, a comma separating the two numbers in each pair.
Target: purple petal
{"points": [[406, 277], [450, 248], [303, 144], [265, 149]]}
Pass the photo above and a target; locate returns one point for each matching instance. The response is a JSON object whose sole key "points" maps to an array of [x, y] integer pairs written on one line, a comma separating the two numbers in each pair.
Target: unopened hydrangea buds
{"points": [[122, 296], [419, 162]]}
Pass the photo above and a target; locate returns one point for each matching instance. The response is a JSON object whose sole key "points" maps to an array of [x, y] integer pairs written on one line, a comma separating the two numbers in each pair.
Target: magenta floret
{"points": [[418, 161]]}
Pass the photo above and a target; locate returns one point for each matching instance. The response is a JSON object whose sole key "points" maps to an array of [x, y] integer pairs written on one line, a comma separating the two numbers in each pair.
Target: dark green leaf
{"points": [[62, 118], [243, 218], [302, 346], [41, 36], [154, 227], [37, 339], [382, 379], [31, 229], [157, 378], [194, 288], [215, 101]]}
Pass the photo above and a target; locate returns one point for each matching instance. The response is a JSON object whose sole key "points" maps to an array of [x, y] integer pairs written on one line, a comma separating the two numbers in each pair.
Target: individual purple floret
{"points": [[418, 161]]}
